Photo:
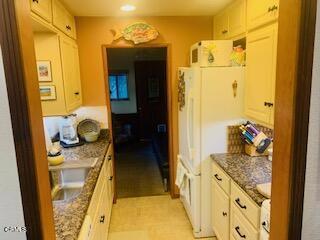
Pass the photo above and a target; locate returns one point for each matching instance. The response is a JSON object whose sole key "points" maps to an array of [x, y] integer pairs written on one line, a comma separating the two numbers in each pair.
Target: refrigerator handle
{"points": [[190, 103]]}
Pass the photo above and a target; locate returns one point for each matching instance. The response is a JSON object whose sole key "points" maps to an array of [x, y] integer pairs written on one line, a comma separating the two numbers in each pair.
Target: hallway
{"points": [[137, 171]]}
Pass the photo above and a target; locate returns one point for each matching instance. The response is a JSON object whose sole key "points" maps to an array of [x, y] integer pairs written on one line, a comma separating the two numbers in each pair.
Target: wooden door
{"points": [[261, 74], [221, 26], [261, 12], [237, 18], [150, 78], [220, 212], [43, 8]]}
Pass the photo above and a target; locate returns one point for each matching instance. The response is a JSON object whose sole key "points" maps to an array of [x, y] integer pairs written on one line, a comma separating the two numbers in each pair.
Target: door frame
{"points": [[297, 20], [171, 110]]}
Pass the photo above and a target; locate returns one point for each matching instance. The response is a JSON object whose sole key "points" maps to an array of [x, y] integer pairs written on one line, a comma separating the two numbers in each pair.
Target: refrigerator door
{"points": [[189, 119], [222, 94]]}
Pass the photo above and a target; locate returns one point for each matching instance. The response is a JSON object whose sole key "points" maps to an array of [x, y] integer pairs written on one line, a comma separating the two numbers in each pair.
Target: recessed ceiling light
{"points": [[128, 8]]}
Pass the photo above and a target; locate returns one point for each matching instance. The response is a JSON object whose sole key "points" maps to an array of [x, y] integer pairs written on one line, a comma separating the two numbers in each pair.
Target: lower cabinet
{"points": [[102, 199], [234, 214], [220, 212]]}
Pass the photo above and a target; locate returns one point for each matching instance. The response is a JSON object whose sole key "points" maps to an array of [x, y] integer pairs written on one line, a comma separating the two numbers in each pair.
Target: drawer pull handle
{"points": [[102, 218], [240, 205], [109, 157], [224, 214], [238, 231], [76, 93], [217, 177]]}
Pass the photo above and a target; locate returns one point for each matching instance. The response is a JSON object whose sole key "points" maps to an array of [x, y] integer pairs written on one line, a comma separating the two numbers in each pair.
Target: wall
{"points": [[10, 203], [93, 32], [123, 59], [311, 216]]}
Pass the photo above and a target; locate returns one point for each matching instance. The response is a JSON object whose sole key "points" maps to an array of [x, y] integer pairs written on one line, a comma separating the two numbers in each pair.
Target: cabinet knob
{"points": [[109, 157], [110, 178], [76, 93], [102, 218], [68, 27], [268, 104], [224, 214], [35, 1], [224, 31]]}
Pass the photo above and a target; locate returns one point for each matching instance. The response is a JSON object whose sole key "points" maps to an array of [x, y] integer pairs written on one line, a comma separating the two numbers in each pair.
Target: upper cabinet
{"points": [[231, 22], [261, 12], [221, 26], [63, 20], [43, 8], [261, 74]]}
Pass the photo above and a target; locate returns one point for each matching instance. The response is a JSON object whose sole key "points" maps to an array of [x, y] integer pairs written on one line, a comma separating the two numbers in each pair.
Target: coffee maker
{"points": [[68, 131]]}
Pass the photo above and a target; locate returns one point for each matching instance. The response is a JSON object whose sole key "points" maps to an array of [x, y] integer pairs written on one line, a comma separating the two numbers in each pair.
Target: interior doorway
{"points": [[138, 87]]}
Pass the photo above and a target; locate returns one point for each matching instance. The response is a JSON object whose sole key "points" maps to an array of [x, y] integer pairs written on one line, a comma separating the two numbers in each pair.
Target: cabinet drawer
{"points": [[43, 8], [245, 205], [97, 191], [240, 228], [221, 178]]}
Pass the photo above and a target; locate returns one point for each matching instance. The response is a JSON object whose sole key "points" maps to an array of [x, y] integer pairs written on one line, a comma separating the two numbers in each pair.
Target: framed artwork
{"points": [[44, 71], [48, 93]]}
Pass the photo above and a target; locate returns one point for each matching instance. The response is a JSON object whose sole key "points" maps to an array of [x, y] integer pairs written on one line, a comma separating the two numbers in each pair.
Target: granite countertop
{"points": [[69, 215], [246, 171]]}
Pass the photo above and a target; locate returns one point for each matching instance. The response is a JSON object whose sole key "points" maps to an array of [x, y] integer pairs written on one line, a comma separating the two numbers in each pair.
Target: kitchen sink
{"points": [[62, 193], [72, 178]]}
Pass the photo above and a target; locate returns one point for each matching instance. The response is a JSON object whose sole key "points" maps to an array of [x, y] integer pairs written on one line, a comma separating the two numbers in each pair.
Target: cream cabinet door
{"points": [[220, 212], [43, 8], [261, 74], [221, 26], [261, 12], [63, 20], [237, 18], [71, 73]]}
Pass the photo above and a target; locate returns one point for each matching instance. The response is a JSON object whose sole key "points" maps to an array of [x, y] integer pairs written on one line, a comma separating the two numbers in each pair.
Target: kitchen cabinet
{"points": [[63, 20], [231, 22], [221, 26], [234, 214], [43, 8], [220, 212], [261, 74], [71, 73], [100, 206], [261, 12]]}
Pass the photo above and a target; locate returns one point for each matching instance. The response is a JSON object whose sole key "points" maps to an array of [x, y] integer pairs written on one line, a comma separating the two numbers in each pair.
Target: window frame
{"points": [[118, 73]]}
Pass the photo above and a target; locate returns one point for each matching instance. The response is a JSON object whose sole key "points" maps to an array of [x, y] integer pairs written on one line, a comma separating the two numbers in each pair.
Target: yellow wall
{"points": [[93, 32]]}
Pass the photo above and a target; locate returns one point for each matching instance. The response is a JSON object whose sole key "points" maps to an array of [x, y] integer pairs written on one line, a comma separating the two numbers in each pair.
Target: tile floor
{"points": [[150, 218]]}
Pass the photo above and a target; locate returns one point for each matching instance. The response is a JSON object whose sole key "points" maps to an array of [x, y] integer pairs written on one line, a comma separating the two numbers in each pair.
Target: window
{"points": [[118, 84]]}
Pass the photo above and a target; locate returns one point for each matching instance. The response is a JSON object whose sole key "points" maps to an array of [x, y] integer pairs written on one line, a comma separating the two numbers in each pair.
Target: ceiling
{"points": [[146, 7]]}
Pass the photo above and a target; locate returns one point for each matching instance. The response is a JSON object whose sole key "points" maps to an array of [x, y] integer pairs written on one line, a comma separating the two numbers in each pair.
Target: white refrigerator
{"points": [[210, 99]]}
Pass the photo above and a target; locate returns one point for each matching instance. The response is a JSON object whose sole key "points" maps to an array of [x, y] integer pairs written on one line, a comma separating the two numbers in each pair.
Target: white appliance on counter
{"points": [[210, 99], [211, 53], [265, 220]]}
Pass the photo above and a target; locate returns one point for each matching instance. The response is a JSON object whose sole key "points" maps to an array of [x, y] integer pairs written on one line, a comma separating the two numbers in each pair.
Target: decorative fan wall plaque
{"points": [[139, 32]]}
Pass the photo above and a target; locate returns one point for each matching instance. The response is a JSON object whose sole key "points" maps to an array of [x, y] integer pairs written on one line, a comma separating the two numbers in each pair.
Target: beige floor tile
{"points": [[150, 218]]}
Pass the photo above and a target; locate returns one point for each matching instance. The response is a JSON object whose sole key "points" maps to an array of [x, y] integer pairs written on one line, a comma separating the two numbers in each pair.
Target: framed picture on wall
{"points": [[44, 71], [48, 93]]}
